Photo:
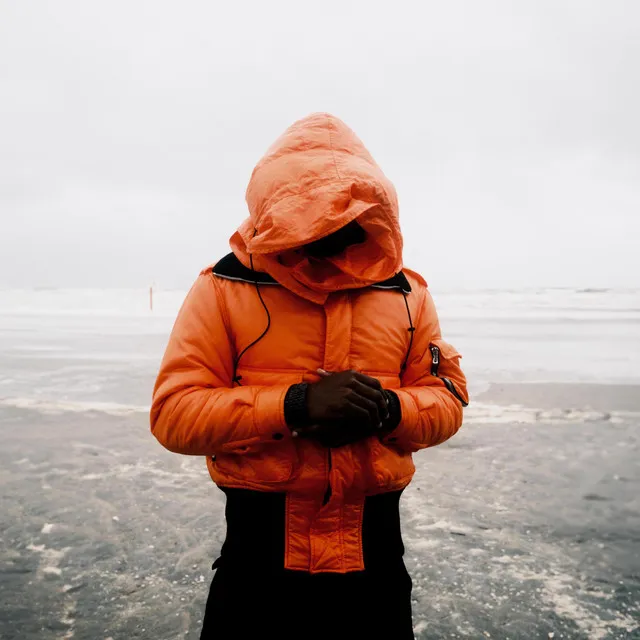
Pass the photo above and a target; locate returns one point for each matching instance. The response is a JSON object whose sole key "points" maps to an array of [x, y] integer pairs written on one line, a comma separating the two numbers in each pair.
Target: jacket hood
{"points": [[316, 178]]}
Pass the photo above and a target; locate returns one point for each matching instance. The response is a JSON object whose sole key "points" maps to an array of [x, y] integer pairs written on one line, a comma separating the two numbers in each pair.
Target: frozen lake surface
{"points": [[526, 524]]}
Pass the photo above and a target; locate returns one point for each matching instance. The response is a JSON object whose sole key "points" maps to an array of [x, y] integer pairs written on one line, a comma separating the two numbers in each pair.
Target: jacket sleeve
{"points": [[433, 388], [196, 410]]}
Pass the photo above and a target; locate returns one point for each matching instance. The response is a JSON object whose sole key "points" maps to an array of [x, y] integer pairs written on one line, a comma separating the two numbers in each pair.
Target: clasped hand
{"points": [[343, 407]]}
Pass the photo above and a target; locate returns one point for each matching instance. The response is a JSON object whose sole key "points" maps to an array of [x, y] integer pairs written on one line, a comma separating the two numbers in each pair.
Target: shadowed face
{"points": [[337, 242]]}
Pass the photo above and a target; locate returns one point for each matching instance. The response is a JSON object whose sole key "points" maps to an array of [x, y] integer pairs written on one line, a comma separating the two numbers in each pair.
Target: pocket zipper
{"points": [[435, 366], [435, 360]]}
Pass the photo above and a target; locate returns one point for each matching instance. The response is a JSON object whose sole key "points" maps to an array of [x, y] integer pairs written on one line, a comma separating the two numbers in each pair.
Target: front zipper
{"points": [[327, 493], [435, 366]]}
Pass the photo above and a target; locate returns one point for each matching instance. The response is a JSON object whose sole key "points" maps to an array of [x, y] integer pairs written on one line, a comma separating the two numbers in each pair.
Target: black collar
{"points": [[232, 269]]}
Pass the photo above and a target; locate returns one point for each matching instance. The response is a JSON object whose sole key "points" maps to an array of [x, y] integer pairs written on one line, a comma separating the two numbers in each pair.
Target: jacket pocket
{"points": [[391, 468], [271, 464], [445, 364], [267, 463]]}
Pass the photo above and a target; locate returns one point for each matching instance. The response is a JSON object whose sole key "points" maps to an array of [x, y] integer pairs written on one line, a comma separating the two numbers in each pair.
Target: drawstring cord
{"points": [[236, 378], [411, 331]]}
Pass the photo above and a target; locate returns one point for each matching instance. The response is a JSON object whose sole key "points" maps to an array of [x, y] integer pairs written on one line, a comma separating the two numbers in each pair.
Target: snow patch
{"points": [[421, 626], [560, 591], [50, 407], [49, 566], [482, 413]]}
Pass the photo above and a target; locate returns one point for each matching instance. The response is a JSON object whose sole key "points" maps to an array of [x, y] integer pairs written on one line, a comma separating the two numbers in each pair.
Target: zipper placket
{"points": [[327, 493], [336, 360]]}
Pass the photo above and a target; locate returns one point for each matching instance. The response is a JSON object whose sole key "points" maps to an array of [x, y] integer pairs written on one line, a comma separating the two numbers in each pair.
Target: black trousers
{"points": [[245, 603], [252, 596]]}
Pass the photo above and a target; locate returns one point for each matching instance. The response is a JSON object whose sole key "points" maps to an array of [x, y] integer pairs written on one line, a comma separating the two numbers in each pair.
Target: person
{"points": [[308, 366]]}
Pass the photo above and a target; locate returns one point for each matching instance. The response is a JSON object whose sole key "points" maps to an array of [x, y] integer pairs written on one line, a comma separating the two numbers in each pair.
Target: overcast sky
{"points": [[129, 129]]}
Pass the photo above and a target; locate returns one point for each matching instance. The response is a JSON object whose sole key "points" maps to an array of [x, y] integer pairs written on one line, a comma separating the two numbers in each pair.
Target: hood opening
{"points": [[315, 179], [337, 242]]}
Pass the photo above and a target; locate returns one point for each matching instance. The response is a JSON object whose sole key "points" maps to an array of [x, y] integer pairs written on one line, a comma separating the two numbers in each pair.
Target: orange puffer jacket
{"points": [[267, 317]]}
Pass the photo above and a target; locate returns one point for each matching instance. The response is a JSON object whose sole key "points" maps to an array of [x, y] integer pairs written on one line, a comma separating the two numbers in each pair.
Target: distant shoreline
{"points": [[549, 395]]}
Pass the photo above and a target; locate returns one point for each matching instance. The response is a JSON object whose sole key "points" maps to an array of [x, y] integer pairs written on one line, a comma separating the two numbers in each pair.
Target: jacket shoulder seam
{"points": [[221, 300]]}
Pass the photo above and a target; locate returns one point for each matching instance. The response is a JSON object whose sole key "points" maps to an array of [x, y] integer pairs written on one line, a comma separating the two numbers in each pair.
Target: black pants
{"points": [[371, 605]]}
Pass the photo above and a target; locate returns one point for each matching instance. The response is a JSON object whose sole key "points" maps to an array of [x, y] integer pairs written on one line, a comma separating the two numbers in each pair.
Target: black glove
{"points": [[363, 420]]}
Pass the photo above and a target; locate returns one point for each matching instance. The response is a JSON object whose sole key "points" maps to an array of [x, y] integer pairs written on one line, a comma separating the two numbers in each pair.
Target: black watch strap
{"points": [[296, 413], [395, 412]]}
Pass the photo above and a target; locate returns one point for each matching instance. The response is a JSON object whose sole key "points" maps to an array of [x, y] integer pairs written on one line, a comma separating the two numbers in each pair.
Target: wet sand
{"points": [[514, 531]]}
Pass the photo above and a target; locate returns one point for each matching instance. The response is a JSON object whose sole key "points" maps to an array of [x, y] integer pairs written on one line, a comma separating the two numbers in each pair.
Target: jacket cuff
{"points": [[395, 409], [269, 414], [395, 414], [296, 413], [407, 416]]}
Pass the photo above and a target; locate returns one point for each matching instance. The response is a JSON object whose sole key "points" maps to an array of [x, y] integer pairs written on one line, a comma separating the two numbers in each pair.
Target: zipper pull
{"points": [[435, 359]]}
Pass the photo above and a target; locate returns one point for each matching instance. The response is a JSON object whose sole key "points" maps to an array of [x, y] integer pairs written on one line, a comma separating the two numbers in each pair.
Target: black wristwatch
{"points": [[296, 413], [395, 412]]}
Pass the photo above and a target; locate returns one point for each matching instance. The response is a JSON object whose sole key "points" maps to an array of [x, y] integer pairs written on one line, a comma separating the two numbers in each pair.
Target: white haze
{"points": [[128, 131]]}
